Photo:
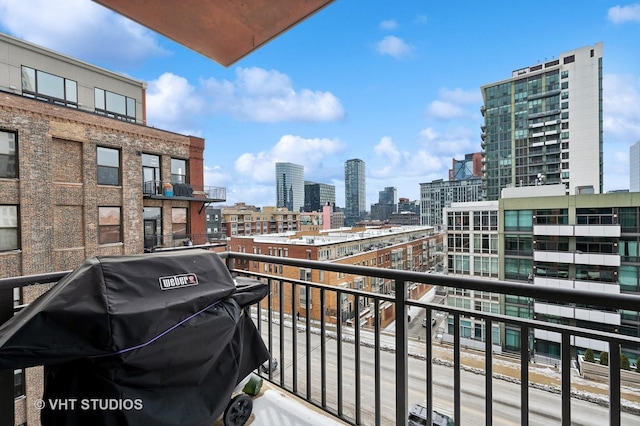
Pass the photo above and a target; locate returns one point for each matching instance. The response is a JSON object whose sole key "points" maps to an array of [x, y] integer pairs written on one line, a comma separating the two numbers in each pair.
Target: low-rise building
{"points": [[242, 220], [402, 248]]}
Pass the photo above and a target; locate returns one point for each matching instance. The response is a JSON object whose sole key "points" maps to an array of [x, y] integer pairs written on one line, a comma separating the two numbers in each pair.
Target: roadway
{"points": [[544, 406]]}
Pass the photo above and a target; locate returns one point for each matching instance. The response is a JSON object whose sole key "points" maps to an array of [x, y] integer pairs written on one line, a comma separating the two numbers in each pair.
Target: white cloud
{"points": [[172, 103], [622, 14], [428, 134], [389, 24], [309, 153], [449, 104], [445, 110], [388, 160], [460, 96], [268, 96], [456, 142], [216, 176], [621, 105], [77, 27], [393, 46], [387, 148]]}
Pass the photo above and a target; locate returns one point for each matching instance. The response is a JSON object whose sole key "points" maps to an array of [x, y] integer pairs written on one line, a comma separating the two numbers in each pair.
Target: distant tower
{"points": [[634, 168], [355, 191], [290, 186], [318, 195]]}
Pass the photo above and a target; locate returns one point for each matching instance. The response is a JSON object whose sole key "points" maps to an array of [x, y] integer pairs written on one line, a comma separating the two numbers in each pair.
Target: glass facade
{"points": [[526, 132]]}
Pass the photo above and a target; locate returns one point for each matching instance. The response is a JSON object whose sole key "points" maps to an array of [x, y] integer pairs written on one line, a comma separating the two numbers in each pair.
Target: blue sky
{"points": [[396, 84]]}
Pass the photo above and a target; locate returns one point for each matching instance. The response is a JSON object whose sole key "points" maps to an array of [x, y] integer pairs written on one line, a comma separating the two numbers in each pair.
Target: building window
{"points": [[518, 220], [179, 223], [115, 106], [108, 166], [519, 245], [564, 85], [518, 269], [303, 296], [48, 87], [555, 243], [178, 170], [109, 225], [458, 264], [597, 273], [458, 221], [485, 243], [485, 220], [8, 228], [595, 216], [551, 217], [151, 174], [8, 155]]}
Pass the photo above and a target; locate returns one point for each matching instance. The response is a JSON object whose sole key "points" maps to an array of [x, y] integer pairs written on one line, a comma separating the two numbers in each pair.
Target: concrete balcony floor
{"points": [[274, 406]]}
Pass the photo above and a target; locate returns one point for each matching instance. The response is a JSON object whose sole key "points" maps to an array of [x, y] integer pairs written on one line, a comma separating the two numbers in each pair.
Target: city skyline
{"points": [[398, 88]]}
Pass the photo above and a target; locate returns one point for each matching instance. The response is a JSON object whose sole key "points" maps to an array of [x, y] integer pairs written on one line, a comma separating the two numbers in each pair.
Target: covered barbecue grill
{"points": [[157, 339]]}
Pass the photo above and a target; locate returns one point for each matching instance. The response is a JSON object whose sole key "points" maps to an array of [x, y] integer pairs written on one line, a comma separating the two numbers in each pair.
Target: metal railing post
{"points": [[614, 384], [402, 378], [7, 408]]}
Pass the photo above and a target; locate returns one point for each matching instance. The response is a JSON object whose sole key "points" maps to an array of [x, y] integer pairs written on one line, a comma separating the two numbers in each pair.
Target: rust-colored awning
{"points": [[223, 30]]}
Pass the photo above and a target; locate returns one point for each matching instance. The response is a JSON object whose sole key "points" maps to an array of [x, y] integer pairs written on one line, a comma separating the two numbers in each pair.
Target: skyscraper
{"points": [[634, 167], [290, 186], [318, 195], [355, 191], [543, 125]]}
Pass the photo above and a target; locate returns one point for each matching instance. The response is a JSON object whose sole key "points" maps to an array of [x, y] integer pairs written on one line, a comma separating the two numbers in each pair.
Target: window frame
{"points": [[12, 137], [176, 213], [14, 225], [179, 177], [102, 107], [69, 88], [108, 167], [105, 229]]}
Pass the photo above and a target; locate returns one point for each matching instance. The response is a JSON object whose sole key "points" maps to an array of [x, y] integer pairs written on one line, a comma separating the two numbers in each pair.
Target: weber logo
{"points": [[177, 281]]}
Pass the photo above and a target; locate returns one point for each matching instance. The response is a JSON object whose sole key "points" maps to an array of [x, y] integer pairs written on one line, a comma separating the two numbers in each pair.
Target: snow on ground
{"points": [[274, 408]]}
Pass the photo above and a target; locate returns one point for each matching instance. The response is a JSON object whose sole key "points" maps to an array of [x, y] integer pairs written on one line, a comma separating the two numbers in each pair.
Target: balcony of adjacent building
{"points": [[166, 190], [361, 357]]}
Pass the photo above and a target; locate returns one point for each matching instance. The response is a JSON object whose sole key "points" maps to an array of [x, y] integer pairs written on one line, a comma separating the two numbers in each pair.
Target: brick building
{"points": [[81, 175], [249, 220], [402, 248]]}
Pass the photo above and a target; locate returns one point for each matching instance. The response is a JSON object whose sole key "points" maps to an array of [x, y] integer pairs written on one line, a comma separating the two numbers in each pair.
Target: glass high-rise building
{"points": [[290, 186], [355, 191], [318, 195], [543, 125]]}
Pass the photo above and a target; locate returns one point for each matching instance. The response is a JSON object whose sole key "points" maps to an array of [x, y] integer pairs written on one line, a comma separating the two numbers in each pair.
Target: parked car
{"points": [[424, 322], [418, 417], [265, 366]]}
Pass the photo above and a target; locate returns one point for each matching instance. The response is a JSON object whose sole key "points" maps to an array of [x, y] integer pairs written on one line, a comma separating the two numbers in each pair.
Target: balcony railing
{"points": [[183, 191], [172, 241], [333, 349]]}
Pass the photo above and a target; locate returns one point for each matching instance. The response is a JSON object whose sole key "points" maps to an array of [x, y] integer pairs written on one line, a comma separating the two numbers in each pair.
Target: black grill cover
{"points": [[149, 339]]}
